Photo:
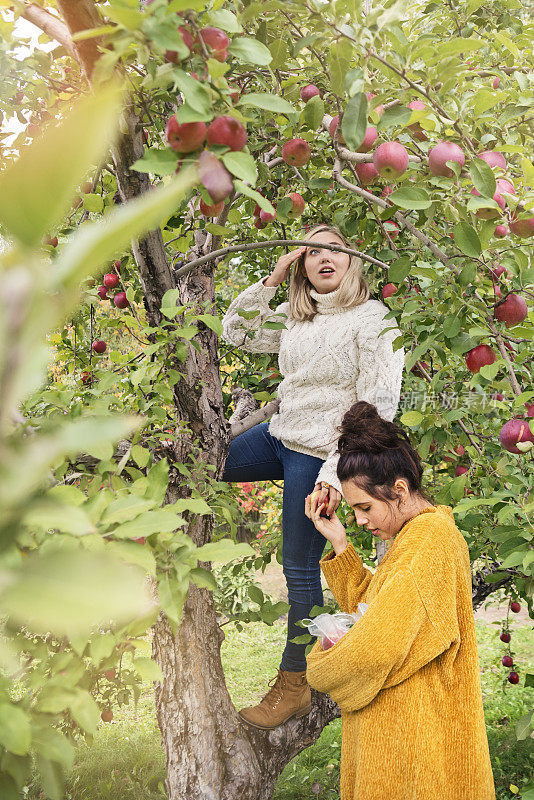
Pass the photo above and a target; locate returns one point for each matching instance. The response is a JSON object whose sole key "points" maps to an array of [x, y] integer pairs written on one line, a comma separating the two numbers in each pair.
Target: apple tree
{"points": [[408, 125]]}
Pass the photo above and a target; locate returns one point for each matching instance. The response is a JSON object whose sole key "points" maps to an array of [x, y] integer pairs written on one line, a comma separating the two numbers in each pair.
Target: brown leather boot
{"points": [[288, 697]]}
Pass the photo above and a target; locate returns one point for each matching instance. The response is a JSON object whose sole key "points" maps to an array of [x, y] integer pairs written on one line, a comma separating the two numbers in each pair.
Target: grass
{"points": [[126, 761]]}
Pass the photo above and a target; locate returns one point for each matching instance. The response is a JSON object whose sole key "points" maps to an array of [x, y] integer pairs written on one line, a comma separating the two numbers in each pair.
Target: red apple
{"points": [[523, 227], [371, 135], [298, 207], [99, 346], [227, 131], [185, 137], [187, 36], [366, 172], [111, 280], [460, 471], [139, 540], [512, 310], [504, 185], [296, 152], [117, 265], [217, 40], [379, 109], [211, 211], [309, 91], [496, 270], [530, 409], [440, 154], [388, 290], [332, 129], [513, 677], [390, 160], [86, 378], [106, 715], [478, 357], [120, 300], [516, 436], [496, 82], [331, 640], [497, 291], [51, 241], [505, 637], [387, 190], [259, 223], [103, 293], [214, 176], [507, 661], [515, 607], [493, 158], [110, 673], [266, 216], [500, 231]]}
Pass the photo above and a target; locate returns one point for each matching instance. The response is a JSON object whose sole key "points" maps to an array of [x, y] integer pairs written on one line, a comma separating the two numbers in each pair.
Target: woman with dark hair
{"points": [[406, 675], [334, 347]]}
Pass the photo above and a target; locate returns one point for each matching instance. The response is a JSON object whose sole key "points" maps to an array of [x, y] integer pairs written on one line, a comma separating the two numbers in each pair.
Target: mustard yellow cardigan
{"points": [[406, 675]]}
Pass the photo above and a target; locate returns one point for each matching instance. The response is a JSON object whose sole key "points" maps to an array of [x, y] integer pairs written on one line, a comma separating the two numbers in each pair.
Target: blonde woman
{"points": [[331, 353]]}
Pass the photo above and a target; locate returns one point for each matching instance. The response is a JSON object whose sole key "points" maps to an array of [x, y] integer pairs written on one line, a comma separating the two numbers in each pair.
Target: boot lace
{"points": [[274, 695]]}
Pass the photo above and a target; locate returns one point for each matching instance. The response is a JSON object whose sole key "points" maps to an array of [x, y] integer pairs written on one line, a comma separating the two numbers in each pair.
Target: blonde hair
{"points": [[353, 287]]}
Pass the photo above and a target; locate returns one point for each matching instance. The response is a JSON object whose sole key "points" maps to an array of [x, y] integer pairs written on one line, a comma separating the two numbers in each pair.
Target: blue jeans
{"points": [[255, 455]]}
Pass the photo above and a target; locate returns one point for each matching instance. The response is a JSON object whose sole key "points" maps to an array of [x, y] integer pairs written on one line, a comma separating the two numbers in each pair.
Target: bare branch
{"points": [[50, 25]]}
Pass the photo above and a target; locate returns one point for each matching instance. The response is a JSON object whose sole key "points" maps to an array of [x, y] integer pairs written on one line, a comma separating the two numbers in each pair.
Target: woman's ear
{"points": [[402, 489]]}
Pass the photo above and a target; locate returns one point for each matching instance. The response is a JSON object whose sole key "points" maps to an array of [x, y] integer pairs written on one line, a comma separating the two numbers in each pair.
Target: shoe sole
{"points": [[297, 715]]}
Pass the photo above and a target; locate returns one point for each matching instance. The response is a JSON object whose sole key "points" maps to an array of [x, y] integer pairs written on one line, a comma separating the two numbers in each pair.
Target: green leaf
{"points": [[314, 112], [147, 669], [394, 115], [37, 190], [466, 238], [85, 711], [52, 778], [126, 508], [140, 455], [8, 787], [93, 203], [147, 523], [195, 93], [224, 550], [203, 578], [164, 33], [102, 646], [523, 728], [15, 731], [260, 200], [242, 165], [483, 177], [212, 322], [354, 122], [411, 198], [412, 419], [67, 593], [256, 594], [269, 102], [156, 161], [46, 514], [95, 243], [452, 326], [399, 269], [250, 51], [193, 504], [225, 20]]}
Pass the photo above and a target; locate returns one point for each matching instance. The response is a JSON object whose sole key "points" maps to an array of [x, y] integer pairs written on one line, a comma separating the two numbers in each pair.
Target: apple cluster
{"points": [[507, 660]]}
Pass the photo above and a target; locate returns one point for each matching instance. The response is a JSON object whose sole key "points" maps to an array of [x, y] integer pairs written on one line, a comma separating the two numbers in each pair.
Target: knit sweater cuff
{"points": [[348, 562]]}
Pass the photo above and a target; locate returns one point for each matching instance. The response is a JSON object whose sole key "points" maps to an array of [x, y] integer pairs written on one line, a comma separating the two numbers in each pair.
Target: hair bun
{"points": [[362, 429]]}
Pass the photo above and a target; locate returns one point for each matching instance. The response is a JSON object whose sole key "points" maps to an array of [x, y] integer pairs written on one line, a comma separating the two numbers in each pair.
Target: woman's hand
{"points": [[331, 528], [283, 265], [327, 495]]}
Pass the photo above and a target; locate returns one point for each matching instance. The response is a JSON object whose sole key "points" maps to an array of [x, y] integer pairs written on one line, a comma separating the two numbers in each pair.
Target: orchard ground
{"points": [[126, 760]]}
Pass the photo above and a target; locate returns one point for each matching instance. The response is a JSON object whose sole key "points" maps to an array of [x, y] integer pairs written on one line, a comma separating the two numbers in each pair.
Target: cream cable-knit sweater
{"points": [[327, 364]]}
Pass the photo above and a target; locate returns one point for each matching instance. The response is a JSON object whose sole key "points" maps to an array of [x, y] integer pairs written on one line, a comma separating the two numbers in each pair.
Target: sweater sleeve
{"points": [[236, 329], [380, 367], [379, 378], [411, 620], [347, 577]]}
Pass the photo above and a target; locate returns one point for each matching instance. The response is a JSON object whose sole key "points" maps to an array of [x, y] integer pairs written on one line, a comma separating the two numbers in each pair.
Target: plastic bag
{"points": [[331, 627]]}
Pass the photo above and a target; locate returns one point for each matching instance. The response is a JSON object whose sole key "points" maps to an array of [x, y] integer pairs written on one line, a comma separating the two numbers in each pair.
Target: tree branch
{"points": [[236, 248], [49, 24]]}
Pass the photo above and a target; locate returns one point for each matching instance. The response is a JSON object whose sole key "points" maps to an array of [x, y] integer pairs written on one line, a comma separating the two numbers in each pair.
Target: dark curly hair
{"points": [[374, 453]]}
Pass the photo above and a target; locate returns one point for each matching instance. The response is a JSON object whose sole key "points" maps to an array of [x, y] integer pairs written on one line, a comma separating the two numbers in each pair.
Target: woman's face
{"points": [[325, 268], [382, 519]]}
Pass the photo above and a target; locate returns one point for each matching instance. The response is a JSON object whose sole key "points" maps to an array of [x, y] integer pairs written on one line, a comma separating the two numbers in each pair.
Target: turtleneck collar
{"points": [[327, 303]]}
